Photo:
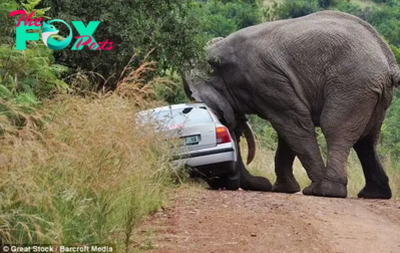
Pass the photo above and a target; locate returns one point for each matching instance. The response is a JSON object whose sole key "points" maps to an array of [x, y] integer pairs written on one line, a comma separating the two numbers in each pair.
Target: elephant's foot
{"points": [[375, 191], [286, 186], [327, 188], [310, 189]]}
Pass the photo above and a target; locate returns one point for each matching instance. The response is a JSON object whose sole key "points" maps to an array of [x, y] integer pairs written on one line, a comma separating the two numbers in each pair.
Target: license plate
{"points": [[192, 140]]}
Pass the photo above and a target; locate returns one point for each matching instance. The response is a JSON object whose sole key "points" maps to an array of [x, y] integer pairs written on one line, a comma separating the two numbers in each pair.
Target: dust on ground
{"points": [[206, 221]]}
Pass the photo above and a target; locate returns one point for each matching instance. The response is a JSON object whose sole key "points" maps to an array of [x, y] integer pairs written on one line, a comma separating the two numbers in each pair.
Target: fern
{"points": [[5, 93], [26, 76], [30, 5]]}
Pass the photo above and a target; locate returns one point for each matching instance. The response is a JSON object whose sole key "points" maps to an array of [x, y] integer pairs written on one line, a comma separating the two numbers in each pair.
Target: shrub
{"points": [[25, 76]]}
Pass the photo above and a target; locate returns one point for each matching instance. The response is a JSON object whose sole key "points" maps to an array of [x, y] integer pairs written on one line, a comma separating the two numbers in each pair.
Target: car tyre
{"points": [[233, 181], [233, 184], [216, 183]]}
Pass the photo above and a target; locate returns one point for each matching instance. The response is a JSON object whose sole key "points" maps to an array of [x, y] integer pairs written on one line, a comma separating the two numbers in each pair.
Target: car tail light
{"points": [[222, 134]]}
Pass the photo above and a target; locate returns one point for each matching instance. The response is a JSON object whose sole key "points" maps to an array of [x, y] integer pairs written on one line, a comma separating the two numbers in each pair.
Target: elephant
{"points": [[328, 69]]}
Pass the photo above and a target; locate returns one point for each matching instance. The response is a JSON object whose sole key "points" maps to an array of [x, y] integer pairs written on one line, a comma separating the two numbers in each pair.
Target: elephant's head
{"points": [[205, 84]]}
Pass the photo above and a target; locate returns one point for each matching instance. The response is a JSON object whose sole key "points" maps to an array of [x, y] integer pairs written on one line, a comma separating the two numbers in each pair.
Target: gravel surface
{"points": [[207, 221]]}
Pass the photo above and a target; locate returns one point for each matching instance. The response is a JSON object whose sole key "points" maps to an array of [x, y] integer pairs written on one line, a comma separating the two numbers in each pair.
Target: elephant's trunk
{"points": [[251, 142]]}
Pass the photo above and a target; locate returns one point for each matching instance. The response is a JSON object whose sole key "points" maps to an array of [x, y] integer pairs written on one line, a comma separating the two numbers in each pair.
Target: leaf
{"points": [[27, 99], [5, 92]]}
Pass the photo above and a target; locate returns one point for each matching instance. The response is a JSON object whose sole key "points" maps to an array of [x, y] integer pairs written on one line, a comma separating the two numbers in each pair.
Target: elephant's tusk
{"points": [[251, 142]]}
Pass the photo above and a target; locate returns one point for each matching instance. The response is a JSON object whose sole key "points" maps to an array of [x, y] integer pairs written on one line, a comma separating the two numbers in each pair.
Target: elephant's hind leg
{"points": [[285, 180], [342, 129], [377, 182]]}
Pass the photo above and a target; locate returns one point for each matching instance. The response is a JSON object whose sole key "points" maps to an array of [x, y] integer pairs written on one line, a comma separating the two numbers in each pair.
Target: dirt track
{"points": [[221, 221]]}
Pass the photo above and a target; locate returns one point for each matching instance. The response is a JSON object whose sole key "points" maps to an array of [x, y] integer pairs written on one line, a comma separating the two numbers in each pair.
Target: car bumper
{"points": [[206, 157]]}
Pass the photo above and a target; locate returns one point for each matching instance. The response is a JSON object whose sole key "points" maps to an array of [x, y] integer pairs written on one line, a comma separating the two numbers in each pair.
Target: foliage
{"points": [[25, 76], [325, 4], [167, 28], [291, 9], [390, 139], [396, 52], [88, 175], [30, 71], [265, 134], [385, 18], [354, 9], [6, 28], [221, 18]]}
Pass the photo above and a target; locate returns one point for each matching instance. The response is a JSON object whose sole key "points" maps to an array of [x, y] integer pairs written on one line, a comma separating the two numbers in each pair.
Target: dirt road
{"points": [[221, 221]]}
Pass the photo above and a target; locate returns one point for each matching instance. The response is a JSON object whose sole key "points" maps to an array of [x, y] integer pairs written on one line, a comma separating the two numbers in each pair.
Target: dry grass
{"points": [[263, 165], [89, 175], [362, 3]]}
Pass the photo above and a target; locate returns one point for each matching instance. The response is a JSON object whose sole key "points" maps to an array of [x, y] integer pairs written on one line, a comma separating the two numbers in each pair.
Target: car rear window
{"points": [[187, 116]]}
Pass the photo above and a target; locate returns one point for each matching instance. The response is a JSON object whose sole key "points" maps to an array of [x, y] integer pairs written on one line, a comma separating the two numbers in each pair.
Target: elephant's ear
{"points": [[201, 90], [217, 53]]}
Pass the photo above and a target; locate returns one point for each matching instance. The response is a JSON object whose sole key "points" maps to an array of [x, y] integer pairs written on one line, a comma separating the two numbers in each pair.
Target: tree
{"points": [[221, 18], [169, 29], [294, 9]]}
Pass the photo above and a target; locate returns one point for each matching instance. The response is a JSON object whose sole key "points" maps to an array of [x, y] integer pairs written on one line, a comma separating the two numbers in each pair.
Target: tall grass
{"points": [[87, 178], [263, 165]]}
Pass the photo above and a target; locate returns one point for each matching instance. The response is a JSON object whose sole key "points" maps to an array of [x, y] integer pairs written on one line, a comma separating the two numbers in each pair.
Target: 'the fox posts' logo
{"points": [[49, 30], [85, 32]]}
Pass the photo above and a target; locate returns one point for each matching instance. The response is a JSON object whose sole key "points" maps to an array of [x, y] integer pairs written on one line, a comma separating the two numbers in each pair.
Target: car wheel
{"points": [[216, 183], [233, 181], [232, 184]]}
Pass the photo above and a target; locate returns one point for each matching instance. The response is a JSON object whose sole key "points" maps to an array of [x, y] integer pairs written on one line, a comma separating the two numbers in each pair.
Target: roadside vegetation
{"points": [[75, 167]]}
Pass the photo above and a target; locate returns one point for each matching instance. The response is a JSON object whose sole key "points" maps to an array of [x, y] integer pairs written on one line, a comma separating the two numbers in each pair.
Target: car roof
{"points": [[175, 107]]}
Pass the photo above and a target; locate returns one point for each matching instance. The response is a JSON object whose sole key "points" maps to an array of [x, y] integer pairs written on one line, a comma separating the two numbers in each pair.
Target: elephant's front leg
{"points": [[299, 134], [285, 180]]}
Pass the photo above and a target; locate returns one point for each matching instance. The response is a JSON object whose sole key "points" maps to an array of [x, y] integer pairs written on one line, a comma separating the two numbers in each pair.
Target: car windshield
{"points": [[176, 118]]}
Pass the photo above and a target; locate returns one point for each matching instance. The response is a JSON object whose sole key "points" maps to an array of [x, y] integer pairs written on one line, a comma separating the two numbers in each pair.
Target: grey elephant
{"points": [[328, 69]]}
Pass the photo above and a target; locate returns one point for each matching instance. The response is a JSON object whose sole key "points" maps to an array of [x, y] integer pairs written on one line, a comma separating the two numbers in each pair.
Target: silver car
{"points": [[207, 147]]}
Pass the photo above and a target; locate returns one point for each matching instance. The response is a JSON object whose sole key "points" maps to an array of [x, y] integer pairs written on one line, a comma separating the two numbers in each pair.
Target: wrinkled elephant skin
{"points": [[328, 69]]}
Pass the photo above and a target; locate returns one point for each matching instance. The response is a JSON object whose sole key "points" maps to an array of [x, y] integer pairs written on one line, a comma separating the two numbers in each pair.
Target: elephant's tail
{"points": [[395, 76]]}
